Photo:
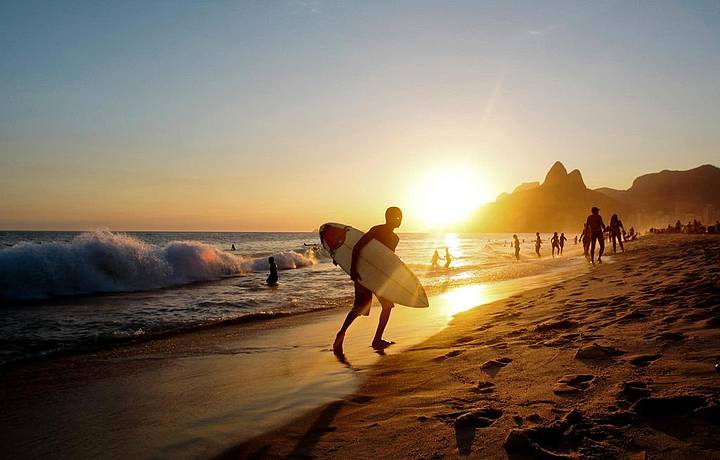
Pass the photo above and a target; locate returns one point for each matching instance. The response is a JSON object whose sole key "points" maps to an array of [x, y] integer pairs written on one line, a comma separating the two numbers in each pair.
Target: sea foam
{"points": [[103, 261]]}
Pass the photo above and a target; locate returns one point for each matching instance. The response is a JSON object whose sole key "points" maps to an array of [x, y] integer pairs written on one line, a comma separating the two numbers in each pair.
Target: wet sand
{"points": [[618, 363], [196, 395]]}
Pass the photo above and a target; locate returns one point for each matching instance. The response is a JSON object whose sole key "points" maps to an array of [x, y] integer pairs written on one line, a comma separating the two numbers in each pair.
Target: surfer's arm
{"points": [[361, 243]]}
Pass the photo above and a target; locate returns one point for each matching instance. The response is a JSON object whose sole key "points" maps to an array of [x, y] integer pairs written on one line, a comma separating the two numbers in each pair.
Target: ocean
{"points": [[71, 291]]}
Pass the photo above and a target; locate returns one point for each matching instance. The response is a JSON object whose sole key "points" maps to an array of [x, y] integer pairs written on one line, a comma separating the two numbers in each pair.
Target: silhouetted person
{"points": [[615, 233], [448, 258], [435, 258], [516, 243], [596, 226], [538, 243], [385, 234], [273, 278], [576, 240], [555, 242], [585, 238], [562, 241], [233, 247]]}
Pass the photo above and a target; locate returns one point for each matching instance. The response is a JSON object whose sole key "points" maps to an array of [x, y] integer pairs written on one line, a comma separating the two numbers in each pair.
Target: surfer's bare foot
{"points": [[381, 344], [338, 344]]}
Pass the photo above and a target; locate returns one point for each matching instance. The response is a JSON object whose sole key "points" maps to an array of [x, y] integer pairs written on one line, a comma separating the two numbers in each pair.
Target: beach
{"points": [[501, 380], [195, 392], [617, 363]]}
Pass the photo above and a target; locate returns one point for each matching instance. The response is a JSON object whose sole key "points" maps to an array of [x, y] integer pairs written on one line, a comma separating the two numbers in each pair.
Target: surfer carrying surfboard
{"points": [[385, 234]]}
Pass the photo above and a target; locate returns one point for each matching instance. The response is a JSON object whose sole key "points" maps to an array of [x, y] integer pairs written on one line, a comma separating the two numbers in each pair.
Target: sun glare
{"points": [[446, 197]]}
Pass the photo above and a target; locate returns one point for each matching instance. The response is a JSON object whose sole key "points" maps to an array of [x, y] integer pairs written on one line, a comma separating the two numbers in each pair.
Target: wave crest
{"points": [[103, 261]]}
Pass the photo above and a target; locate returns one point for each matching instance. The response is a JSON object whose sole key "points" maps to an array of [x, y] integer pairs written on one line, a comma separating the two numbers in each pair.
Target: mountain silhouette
{"points": [[561, 203], [663, 197]]}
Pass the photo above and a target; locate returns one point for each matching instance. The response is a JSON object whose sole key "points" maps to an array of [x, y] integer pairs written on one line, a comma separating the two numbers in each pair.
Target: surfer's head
{"points": [[393, 216]]}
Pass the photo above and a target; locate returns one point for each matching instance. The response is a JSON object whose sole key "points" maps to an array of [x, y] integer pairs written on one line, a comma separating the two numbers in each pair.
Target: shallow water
{"points": [[63, 291]]}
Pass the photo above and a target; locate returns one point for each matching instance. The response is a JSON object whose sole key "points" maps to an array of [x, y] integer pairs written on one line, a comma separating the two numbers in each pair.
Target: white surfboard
{"points": [[380, 269]]}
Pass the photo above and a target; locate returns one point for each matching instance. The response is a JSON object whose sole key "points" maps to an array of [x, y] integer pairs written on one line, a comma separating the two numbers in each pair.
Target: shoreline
{"points": [[618, 363], [211, 385]]}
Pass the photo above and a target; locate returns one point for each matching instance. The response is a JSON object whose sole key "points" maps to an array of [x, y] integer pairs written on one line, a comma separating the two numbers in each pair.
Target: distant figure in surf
{"points": [[272, 280], [233, 247], [562, 241], [555, 242], [385, 234], [596, 227], [538, 243], [448, 258], [434, 261], [615, 233], [516, 243], [575, 240]]}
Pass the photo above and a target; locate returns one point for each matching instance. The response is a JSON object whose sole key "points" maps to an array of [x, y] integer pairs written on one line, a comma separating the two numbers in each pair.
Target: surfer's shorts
{"points": [[363, 300]]}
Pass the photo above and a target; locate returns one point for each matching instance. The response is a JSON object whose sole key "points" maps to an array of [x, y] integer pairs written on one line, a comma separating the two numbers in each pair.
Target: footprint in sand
{"points": [[643, 360], [573, 384], [465, 339], [632, 391], [450, 354], [670, 337], [479, 418], [484, 387], [670, 406], [595, 351], [495, 363], [634, 315]]}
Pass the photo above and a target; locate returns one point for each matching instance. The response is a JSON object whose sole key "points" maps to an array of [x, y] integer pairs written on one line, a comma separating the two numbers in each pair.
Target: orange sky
{"points": [[278, 116]]}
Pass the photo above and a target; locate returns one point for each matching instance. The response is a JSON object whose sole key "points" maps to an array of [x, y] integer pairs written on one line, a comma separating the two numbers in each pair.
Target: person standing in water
{"points": [[555, 242], [273, 278], [616, 233], [448, 258], [562, 241], [516, 243], [385, 234], [538, 243], [596, 227], [434, 261]]}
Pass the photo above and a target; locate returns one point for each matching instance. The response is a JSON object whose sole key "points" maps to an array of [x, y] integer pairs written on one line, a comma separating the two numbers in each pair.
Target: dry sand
{"points": [[615, 364]]}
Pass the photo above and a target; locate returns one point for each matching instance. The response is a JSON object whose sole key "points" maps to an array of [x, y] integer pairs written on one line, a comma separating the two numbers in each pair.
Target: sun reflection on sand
{"points": [[461, 299]]}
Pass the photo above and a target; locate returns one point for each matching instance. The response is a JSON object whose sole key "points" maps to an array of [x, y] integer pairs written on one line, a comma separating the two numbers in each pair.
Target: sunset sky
{"points": [[281, 115]]}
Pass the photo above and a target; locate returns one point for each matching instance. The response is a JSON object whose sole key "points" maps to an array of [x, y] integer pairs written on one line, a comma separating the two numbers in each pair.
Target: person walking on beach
{"points": [[555, 242], [516, 243], [385, 234], [272, 279], [596, 227], [576, 240], [562, 241], [434, 261], [538, 243], [448, 258], [585, 238], [615, 233]]}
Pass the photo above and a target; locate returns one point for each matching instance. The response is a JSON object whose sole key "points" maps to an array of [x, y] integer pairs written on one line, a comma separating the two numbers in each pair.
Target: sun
{"points": [[448, 196]]}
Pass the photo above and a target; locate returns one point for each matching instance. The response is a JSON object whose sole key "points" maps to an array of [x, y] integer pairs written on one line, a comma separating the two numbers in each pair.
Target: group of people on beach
{"points": [[693, 227], [593, 233]]}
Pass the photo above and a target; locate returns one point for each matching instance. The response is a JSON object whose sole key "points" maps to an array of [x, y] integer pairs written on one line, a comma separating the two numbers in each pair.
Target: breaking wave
{"points": [[103, 261]]}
